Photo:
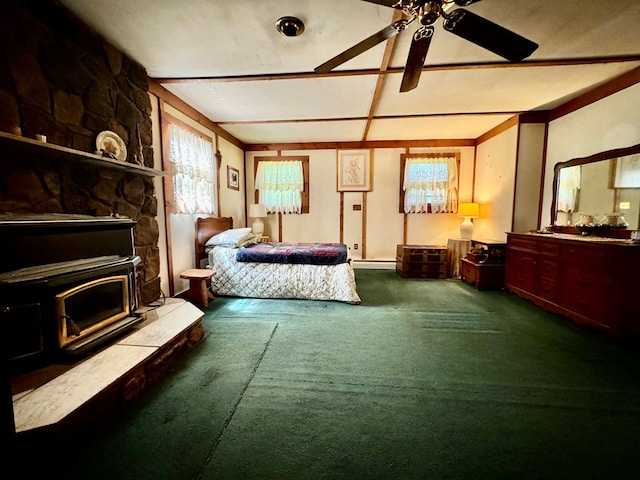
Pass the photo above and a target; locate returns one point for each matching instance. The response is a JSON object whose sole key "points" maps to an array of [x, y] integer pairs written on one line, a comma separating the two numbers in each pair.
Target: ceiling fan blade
{"points": [[415, 60], [363, 46], [489, 35], [386, 3], [464, 3]]}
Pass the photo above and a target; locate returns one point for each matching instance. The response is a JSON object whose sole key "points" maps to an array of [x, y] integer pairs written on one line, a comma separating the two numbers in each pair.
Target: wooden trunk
{"points": [[421, 261]]}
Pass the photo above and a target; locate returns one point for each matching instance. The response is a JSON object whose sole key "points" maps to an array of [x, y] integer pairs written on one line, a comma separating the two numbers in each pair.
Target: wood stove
{"points": [[67, 285]]}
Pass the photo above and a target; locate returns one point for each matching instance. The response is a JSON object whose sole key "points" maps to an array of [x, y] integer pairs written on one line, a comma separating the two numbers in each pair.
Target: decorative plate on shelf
{"points": [[110, 144]]}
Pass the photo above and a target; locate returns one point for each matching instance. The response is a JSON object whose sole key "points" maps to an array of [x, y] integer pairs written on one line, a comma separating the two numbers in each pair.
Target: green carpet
{"points": [[424, 379]]}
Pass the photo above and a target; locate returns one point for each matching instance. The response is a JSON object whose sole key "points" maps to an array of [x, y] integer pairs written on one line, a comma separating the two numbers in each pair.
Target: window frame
{"points": [[304, 195], [403, 158]]}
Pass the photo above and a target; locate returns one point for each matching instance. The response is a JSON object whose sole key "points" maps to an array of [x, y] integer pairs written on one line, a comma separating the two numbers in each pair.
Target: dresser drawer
{"points": [[549, 248], [468, 271], [588, 307], [523, 243], [547, 269], [548, 289], [587, 257], [483, 275], [521, 270], [586, 294]]}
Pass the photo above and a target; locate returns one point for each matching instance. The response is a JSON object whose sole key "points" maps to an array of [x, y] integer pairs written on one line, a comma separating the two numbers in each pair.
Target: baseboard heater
{"points": [[374, 264]]}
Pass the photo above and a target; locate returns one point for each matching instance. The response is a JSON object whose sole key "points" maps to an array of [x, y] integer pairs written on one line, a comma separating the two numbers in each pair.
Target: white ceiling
{"points": [[205, 42]]}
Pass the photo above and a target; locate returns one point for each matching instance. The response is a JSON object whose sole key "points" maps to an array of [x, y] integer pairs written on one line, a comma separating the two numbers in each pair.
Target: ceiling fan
{"points": [[461, 22]]}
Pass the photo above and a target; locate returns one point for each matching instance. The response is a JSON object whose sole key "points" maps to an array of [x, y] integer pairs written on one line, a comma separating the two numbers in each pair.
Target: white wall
{"points": [[528, 178], [231, 201], [613, 122], [384, 223], [495, 184]]}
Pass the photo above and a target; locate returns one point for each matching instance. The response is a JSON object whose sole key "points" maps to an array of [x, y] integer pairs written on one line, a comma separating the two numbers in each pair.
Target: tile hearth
{"points": [[124, 366]]}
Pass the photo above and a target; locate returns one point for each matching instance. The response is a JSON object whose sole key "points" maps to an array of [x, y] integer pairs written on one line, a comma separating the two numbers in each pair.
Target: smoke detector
{"points": [[290, 26]]}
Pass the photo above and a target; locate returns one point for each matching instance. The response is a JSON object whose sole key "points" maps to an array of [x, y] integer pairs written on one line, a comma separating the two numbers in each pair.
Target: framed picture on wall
{"points": [[354, 171], [233, 178], [626, 172]]}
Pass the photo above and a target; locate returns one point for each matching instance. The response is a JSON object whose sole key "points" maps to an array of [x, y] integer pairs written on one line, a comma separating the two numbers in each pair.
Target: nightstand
{"points": [[484, 264]]}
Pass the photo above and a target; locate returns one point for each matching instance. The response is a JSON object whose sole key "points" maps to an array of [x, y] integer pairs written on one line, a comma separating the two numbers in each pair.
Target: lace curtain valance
{"points": [[431, 181], [192, 166], [279, 184]]}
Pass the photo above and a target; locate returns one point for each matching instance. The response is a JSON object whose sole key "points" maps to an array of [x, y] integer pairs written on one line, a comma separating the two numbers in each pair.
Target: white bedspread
{"points": [[269, 280]]}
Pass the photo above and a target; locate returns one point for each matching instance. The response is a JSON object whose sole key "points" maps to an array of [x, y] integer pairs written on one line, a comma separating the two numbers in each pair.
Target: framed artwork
{"points": [[626, 172], [354, 171], [233, 178]]}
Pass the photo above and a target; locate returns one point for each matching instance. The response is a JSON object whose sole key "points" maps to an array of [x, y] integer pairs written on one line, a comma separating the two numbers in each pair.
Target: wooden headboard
{"points": [[206, 228]]}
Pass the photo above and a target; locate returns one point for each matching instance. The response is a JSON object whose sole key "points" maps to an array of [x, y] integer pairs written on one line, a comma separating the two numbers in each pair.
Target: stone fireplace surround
{"points": [[60, 79]]}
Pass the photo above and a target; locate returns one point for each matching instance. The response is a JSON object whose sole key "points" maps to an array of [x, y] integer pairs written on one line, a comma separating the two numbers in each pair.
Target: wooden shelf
{"points": [[57, 152]]}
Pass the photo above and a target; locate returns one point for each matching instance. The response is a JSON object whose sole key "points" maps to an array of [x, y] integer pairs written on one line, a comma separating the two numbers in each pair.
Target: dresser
{"points": [[421, 261], [591, 280]]}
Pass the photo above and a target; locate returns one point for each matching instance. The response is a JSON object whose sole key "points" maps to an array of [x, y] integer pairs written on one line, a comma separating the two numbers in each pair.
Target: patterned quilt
{"points": [[297, 253], [280, 280]]}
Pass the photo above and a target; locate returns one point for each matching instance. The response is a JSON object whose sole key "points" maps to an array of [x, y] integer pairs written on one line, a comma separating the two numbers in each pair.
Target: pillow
{"points": [[229, 238], [249, 239]]}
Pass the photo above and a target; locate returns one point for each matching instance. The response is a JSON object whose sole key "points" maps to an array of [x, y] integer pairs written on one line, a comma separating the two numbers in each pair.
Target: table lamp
{"points": [[257, 211], [468, 211]]}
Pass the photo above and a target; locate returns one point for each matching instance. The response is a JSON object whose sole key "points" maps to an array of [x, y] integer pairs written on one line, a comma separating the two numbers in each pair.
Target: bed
{"points": [[325, 278]]}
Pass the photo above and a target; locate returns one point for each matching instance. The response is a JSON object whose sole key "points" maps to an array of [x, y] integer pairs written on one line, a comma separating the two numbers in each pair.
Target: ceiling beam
{"points": [[395, 70], [386, 58], [381, 117], [614, 85], [272, 147]]}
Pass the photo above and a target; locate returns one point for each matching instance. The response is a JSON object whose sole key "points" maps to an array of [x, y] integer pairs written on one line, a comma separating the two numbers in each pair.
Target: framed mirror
{"points": [[603, 188]]}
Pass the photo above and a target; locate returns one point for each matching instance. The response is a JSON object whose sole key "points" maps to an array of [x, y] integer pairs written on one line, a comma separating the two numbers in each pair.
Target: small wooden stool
{"points": [[198, 291]]}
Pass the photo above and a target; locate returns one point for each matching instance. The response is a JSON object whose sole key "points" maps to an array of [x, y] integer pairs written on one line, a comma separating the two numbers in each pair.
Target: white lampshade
{"points": [[257, 211], [468, 211]]}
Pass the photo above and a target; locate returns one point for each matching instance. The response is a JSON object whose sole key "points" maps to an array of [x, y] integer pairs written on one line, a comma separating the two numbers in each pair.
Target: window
{"points": [[193, 168], [429, 183], [282, 184]]}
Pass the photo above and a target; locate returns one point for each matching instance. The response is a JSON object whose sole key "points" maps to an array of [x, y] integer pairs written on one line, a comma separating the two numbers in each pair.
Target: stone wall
{"points": [[60, 79]]}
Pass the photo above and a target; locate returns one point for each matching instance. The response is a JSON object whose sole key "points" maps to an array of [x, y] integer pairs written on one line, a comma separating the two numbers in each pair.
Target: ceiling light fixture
{"points": [[290, 26]]}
